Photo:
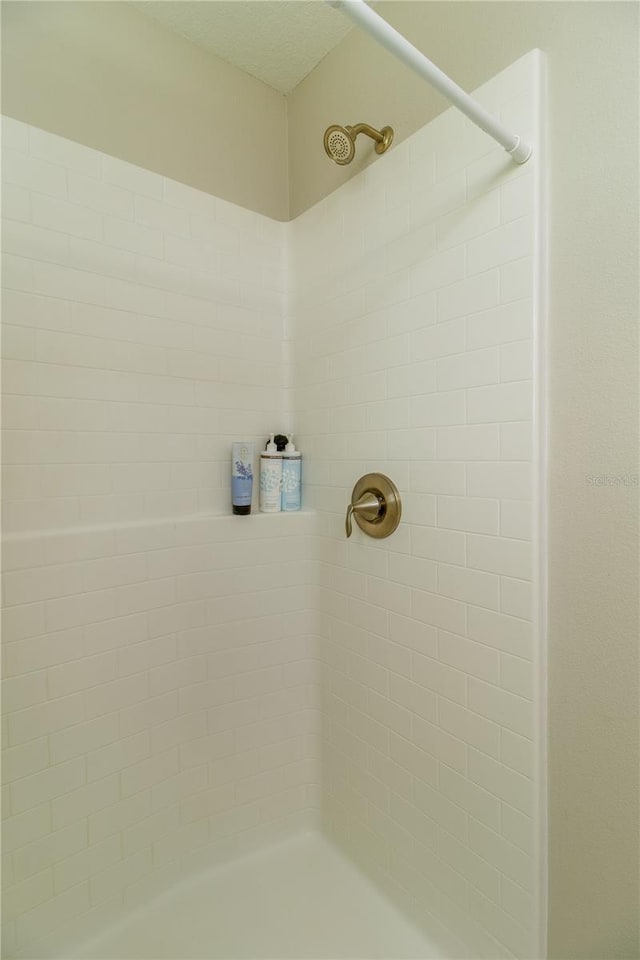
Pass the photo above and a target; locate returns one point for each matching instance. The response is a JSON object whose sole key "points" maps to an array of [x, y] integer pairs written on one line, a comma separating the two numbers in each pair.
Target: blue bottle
{"points": [[242, 477]]}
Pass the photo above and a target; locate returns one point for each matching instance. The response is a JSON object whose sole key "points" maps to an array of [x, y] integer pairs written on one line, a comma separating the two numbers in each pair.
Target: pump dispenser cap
{"points": [[290, 447], [271, 446]]}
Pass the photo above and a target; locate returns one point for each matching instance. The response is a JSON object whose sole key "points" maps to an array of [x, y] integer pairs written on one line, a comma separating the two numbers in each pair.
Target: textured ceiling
{"points": [[277, 41]]}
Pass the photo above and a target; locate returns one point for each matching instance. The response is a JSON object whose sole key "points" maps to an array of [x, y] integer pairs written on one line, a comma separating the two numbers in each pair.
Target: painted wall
{"points": [[105, 75], [592, 55], [415, 330], [159, 661]]}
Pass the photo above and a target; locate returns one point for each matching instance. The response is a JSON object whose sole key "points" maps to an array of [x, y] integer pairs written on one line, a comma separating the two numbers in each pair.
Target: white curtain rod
{"points": [[399, 46]]}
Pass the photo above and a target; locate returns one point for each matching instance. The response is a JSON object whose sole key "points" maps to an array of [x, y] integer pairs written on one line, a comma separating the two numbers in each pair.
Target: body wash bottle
{"points": [[270, 478], [242, 477]]}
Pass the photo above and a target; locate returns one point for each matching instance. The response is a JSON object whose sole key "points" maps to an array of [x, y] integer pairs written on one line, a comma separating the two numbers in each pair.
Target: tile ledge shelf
{"points": [[192, 519]]}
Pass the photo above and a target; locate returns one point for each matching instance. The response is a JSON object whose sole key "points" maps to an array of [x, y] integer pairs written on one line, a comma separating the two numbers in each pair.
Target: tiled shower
{"points": [[183, 686]]}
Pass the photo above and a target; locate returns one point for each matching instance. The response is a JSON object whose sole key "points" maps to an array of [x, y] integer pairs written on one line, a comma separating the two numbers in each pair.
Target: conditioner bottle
{"points": [[291, 477]]}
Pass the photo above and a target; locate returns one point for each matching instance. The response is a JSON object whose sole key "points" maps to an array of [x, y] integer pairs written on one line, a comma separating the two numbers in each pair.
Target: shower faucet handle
{"points": [[368, 506], [375, 505]]}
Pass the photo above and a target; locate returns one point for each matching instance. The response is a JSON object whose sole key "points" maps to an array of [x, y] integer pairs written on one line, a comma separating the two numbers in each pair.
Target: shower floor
{"points": [[299, 899]]}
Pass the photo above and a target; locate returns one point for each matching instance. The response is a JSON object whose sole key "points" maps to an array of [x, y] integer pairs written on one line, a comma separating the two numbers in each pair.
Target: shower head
{"points": [[340, 142]]}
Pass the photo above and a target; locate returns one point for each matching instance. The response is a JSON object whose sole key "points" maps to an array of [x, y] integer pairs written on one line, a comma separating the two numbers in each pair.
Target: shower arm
{"points": [[370, 131], [399, 46]]}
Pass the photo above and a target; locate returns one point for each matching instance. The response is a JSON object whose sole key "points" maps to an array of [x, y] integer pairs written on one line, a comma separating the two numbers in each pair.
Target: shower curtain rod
{"points": [[399, 46]]}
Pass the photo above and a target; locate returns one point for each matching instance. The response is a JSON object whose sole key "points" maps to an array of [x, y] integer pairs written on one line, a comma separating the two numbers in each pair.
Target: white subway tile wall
{"points": [[179, 684], [161, 697], [142, 333], [160, 688], [414, 330]]}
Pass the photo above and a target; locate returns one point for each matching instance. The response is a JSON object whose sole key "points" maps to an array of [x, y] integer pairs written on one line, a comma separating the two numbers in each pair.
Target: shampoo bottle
{"points": [[291, 477], [270, 478]]}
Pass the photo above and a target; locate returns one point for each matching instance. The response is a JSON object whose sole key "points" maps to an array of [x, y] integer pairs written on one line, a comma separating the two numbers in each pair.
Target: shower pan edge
{"points": [[303, 874]]}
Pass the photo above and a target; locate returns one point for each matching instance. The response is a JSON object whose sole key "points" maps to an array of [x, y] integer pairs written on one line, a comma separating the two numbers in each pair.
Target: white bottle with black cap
{"points": [[271, 478], [291, 477]]}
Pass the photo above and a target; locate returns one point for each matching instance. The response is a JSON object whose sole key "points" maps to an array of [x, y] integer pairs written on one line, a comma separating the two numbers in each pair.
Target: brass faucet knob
{"points": [[369, 505], [375, 504]]}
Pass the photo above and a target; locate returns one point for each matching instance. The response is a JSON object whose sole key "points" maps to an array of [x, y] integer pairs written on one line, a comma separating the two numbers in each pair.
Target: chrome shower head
{"points": [[340, 142]]}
